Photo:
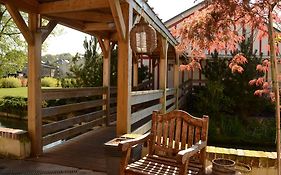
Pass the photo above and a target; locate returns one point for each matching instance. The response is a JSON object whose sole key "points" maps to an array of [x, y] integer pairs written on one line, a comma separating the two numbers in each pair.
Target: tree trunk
{"points": [[274, 74]]}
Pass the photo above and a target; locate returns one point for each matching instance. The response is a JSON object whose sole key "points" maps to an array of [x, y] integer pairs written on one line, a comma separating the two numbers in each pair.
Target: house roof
{"points": [[180, 17]]}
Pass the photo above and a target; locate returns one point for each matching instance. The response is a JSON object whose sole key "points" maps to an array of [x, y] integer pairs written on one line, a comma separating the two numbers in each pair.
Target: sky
{"points": [[71, 41]]}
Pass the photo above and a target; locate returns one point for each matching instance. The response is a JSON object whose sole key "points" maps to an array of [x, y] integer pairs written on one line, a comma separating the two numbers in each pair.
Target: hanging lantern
{"points": [[143, 39]]}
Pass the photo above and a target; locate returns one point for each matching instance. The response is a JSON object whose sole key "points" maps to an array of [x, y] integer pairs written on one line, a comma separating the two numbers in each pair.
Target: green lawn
{"points": [[22, 91]]}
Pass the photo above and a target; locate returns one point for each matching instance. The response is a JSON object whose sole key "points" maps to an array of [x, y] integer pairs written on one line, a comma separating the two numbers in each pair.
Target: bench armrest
{"points": [[185, 154], [124, 145]]}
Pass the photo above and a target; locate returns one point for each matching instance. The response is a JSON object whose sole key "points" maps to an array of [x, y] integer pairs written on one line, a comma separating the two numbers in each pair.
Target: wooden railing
{"points": [[83, 109], [143, 104], [146, 84], [171, 99]]}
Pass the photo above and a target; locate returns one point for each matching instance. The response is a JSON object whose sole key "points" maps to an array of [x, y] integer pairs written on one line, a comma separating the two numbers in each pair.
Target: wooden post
{"points": [[106, 50], [176, 80], [135, 79], [163, 71], [124, 82], [34, 86], [275, 85]]}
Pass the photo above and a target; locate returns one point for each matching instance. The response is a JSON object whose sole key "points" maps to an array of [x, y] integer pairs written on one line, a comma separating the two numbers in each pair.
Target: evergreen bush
{"points": [[49, 82], [10, 82], [14, 105]]}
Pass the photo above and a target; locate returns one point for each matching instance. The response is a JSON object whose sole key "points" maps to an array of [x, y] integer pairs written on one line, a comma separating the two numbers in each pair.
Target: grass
{"points": [[22, 92]]}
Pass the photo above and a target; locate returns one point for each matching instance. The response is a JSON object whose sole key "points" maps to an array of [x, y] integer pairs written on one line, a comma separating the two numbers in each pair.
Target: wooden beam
{"points": [[106, 50], [30, 6], [142, 7], [176, 80], [48, 29], [124, 82], [20, 23], [135, 71], [163, 45], [118, 18], [71, 6], [99, 26], [89, 16], [34, 87]]}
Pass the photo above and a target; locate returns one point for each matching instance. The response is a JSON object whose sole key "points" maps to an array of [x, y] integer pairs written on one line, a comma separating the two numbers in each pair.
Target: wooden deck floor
{"points": [[85, 151]]}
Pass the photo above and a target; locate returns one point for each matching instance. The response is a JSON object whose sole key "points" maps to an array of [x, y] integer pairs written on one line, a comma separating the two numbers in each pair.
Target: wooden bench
{"points": [[177, 145]]}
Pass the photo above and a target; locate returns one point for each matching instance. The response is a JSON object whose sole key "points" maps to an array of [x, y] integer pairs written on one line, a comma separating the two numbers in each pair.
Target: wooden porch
{"points": [[83, 152], [110, 21]]}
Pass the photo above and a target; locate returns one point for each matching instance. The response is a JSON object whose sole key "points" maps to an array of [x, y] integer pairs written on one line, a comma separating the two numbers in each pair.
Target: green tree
{"points": [[12, 46], [87, 69]]}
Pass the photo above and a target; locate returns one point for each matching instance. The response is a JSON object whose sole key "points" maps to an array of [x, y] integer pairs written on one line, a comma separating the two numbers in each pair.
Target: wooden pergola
{"points": [[108, 20]]}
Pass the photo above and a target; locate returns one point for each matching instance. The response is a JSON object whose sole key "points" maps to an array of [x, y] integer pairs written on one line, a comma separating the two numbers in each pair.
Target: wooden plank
{"points": [[71, 131], [106, 75], [139, 115], [124, 81], [71, 6], [63, 124], [197, 134], [171, 108], [145, 96], [165, 133], [184, 135], [17, 18], [171, 132], [51, 94], [30, 6], [118, 18], [143, 129], [49, 28], [163, 45], [62, 109], [34, 87], [178, 132], [159, 132], [190, 135], [99, 26], [89, 16], [171, 91], [176, 80], [171, 101]]}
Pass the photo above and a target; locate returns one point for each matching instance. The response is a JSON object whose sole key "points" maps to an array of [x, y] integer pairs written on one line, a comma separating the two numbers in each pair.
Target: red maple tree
{"points": [[218, 27]]}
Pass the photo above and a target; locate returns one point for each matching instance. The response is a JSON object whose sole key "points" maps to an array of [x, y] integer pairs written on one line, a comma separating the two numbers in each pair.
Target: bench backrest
{"points": [[175, 131]]}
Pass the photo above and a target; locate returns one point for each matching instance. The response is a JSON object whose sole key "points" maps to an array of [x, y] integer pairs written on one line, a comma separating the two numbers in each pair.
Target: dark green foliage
{"points": [[143, 73], [14, 105], [235, 112], [87, 69], [68, 82], [230, 93]]}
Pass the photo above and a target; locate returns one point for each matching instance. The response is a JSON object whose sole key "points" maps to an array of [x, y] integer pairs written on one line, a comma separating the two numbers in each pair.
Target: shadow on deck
{"points": [[83, 152]]}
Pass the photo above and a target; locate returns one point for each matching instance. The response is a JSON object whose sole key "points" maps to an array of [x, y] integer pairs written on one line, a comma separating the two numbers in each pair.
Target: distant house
{"points": [[260, 45], [46, 70]]}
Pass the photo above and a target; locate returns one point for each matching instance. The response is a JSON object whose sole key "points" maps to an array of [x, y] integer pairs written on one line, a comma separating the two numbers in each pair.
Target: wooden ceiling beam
{"points": [[48, 29], [99, 26], [117, 14], [30, 6], [71, 6], [20, 23], [86, 16]]}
